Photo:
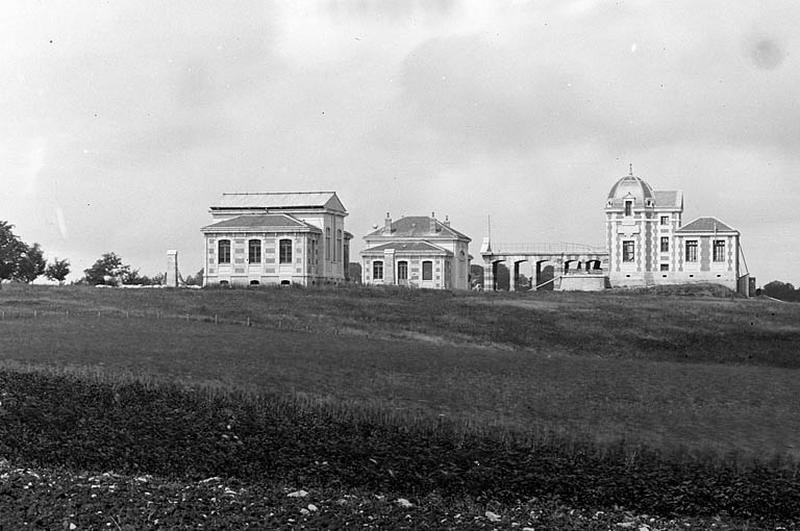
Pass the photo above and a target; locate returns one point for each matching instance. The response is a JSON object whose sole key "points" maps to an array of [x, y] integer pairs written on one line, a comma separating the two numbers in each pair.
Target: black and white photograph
{"points": [[399, 264]]}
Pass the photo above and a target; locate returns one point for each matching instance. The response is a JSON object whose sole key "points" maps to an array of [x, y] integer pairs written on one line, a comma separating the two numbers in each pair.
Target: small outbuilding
{"points": [[416, 251]]}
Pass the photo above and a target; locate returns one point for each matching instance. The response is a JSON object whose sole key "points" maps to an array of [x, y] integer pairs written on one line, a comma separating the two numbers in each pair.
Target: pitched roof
{"points": [[706, 224], [280, 200], [260, 222], [408, 247], [418, 227], [668, 198]]}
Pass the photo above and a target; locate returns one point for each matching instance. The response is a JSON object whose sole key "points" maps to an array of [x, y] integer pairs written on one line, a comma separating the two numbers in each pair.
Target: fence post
{"points": [[34, 314], [98, 313], [248, 320], [216, 320]]}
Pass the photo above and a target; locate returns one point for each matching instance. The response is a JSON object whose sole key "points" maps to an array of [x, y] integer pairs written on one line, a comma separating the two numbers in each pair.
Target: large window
{"points": [[664, 267], [402, 271], [664, 244], [224, 248], [254, 251], [719, 250], [427, 270], [691, 250], [377, 270], [628, 208], [285, 251], [338, 245], [665, 220], [628, 251]]}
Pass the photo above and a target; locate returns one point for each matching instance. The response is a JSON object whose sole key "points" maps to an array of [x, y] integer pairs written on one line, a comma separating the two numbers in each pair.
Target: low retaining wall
{"points": [[579, 282]]}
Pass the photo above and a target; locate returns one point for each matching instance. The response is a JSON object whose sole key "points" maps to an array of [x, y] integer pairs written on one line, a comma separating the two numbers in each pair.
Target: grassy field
{"points": [[695, 379], [611, 366]]}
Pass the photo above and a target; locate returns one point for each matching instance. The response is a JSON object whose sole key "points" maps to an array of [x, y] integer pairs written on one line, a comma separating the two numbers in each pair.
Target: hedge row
{"points": [[194, 433]]}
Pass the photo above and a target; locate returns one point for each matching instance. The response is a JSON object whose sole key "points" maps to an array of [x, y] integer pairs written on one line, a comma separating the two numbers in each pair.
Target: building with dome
{"points": [[648, 244]]}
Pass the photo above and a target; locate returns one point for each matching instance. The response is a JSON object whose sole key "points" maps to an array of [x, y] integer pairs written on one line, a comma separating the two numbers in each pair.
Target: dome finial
{"points": [[630, 169]]}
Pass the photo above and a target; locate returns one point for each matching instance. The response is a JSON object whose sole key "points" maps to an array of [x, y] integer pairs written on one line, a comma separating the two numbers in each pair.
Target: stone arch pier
{"points": [[559, 266]]}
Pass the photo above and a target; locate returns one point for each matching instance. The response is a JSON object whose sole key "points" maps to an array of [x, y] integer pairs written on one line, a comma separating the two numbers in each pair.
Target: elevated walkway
{"points": [[583, 266]]}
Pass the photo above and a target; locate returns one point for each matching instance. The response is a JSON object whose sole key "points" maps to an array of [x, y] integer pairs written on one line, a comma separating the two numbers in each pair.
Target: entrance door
{"points": [[402, 272]]}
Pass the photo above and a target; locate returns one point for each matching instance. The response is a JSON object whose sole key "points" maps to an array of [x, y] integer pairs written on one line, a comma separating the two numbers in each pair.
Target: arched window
{"points": [[377, 270], [628, 208], [254, 251], [338, 245], [427, 270], [285, 251], [224, 251]]}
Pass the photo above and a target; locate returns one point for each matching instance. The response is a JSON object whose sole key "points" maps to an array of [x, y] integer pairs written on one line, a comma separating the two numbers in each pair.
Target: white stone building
{"points": [[416, 251], [276, 238], [649, 245]]}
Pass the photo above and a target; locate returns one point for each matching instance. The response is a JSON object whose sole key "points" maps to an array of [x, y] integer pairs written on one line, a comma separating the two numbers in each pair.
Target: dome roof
{"points": [[631, 186]]}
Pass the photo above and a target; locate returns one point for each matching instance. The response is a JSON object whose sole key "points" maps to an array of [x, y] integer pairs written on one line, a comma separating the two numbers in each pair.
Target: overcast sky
{"points": [[122, 122]]}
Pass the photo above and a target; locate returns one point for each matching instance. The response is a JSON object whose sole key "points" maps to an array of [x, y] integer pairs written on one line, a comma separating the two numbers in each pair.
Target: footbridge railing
{"points": [[552, 248]]}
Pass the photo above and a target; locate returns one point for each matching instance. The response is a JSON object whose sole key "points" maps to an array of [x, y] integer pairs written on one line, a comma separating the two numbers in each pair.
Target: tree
{"points": [[12, 250], [784, 291], [196, 280], [476, 275], [31, 264], [57, 270], [354, 272], [133, 278], [108, 269]]}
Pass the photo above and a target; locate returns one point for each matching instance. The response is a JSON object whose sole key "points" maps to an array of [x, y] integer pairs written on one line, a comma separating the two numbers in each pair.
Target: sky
{"points": [[121, 122]]}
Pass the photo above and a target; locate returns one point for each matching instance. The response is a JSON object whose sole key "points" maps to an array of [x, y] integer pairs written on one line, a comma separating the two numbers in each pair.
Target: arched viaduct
{"points": [[574, 266]]}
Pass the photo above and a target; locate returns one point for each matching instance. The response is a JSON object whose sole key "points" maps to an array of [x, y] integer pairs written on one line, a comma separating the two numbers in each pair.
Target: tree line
{"points": [[784, 291], [25, 263]]}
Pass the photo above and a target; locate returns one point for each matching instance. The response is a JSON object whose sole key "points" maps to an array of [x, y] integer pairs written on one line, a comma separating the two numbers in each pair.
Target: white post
{"points": [[171, 279]]}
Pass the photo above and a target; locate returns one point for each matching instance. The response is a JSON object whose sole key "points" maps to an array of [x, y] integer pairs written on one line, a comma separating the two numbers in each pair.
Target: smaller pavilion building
{"points": [[416, 251]]}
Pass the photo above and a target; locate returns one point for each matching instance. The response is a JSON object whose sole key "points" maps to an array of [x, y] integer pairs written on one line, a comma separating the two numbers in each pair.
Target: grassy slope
{"points": [[606, 325], [587, 367], [669, 371]]}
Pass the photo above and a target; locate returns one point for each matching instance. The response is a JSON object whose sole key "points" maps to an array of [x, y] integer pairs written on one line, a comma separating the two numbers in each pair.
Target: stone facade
{"points": [[648, 244], [416, 251], [276, 238]]}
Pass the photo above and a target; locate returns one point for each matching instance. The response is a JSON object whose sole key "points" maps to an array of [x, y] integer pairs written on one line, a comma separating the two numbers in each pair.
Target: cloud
{"points": [[574, 79], [126, 120]]}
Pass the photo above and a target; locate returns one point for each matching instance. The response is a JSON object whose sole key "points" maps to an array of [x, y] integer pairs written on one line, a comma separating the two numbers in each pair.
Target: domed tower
{"points": [[639, 226]]}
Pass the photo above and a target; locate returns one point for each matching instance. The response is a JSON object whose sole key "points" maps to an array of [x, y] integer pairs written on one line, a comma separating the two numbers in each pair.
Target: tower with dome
{"points": [[648, 244]]}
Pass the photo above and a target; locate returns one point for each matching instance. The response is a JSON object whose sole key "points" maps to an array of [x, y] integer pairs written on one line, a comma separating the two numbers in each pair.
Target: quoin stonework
{"points": [[277, 238], [648, 244], [299, 238], [416, 251]]}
